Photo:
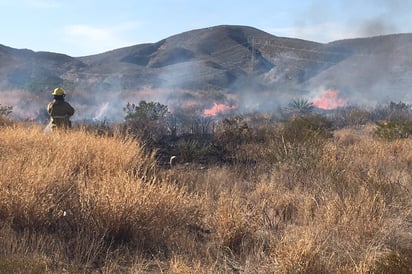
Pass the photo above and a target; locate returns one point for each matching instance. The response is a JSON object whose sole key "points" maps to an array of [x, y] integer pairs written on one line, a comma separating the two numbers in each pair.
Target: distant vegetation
{"points": [[4, 112], [305, 192]]}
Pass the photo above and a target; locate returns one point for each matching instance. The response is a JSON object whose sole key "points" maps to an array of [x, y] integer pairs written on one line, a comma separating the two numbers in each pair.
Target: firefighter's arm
{"points": [[49, 108]]}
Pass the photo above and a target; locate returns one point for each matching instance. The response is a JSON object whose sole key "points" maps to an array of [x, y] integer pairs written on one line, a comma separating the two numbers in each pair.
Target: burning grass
{"points": [[86, 203]]}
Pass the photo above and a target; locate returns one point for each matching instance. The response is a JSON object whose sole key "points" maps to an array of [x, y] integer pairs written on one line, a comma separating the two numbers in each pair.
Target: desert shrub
{"points": [[23, 265], [395, 261], [231, 133], [299, 140], [300, 128], [392, 112], [351, 117], [299, 252], [192, 150], [390, 130], [236, 224], [5, 110], [5, 121]]}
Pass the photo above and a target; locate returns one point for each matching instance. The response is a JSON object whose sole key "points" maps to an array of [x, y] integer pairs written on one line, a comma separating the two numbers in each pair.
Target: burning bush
{"points": [[329, 99]]}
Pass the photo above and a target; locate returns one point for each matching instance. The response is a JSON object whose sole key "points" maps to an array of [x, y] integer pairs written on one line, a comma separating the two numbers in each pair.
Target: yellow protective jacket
{"points": [[60, 112]]}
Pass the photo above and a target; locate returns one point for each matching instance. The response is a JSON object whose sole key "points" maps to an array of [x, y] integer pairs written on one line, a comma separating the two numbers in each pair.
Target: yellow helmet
{"points": [[58, 91]]}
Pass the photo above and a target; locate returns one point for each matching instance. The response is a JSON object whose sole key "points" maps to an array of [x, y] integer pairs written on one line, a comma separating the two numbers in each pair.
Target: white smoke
{"points": [[101, 111]]}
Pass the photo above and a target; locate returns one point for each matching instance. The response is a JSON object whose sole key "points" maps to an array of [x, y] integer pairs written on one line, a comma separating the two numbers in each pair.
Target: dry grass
{"points": [[76, 202], [83, 198]]}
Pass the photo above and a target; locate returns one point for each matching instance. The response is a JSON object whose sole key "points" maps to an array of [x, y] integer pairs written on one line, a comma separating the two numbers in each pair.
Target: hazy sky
{"points": [[85, 27]]}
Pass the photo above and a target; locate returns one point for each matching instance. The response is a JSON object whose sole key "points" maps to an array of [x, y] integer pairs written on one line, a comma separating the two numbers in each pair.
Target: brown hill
{"points": [[253, 66]]}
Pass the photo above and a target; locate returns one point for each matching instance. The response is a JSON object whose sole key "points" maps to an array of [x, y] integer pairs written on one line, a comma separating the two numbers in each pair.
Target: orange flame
{"points": [[218, 108], [329, 100]]}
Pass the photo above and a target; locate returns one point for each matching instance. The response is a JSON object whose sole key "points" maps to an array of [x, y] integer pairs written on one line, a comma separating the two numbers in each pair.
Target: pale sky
{"points": [[86, 27]]}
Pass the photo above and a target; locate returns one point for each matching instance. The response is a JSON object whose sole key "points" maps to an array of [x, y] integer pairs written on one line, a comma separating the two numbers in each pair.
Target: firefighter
{"points": [[59, 110]]}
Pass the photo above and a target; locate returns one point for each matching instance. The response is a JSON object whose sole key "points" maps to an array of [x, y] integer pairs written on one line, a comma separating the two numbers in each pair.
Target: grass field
{"points": [[78, 202]]}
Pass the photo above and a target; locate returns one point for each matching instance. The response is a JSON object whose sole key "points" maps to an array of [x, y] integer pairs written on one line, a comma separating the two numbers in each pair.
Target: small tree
{"points": [[146, 120]]}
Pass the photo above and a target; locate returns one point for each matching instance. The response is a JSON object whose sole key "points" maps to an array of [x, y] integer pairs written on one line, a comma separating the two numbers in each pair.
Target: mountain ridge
{"points": [[228, 59]]}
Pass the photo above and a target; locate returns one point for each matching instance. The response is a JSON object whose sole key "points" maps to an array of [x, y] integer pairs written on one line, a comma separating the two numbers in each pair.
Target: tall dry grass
{"points": [[81, 200], [346, 209], [85, 203]]}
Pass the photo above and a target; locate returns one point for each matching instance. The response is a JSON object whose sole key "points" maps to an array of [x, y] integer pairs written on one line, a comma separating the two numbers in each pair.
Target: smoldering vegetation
{"points": [[307, 193]]}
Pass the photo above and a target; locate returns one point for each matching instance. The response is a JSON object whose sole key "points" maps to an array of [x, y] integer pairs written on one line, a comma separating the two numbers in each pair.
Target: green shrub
{"points": [[5, 110], [391, 130]]}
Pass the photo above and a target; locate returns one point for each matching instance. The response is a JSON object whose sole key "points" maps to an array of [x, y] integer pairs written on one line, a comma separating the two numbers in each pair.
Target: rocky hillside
{"points": [[243, 63]]}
